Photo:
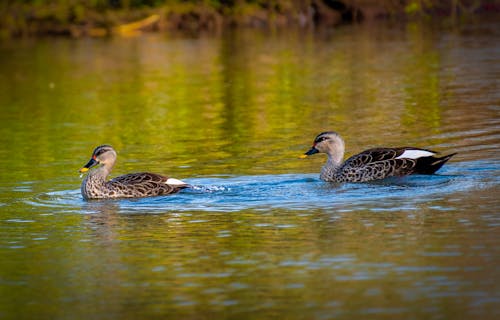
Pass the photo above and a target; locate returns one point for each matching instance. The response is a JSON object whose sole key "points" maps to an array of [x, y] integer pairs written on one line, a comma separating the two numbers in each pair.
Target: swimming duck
{"points": [[372, 164], [133, 185]]}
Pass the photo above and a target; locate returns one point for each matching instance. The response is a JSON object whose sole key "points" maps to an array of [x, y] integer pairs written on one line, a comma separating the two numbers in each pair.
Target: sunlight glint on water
{"points": [[259, 236]]}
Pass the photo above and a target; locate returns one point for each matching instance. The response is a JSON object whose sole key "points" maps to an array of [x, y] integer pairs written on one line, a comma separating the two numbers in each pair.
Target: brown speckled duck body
{"points": [[134, 185], [372, 164]]}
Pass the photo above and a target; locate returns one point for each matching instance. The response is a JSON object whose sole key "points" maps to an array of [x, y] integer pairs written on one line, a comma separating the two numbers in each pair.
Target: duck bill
{"points": [[311, 151], [93, 162]]}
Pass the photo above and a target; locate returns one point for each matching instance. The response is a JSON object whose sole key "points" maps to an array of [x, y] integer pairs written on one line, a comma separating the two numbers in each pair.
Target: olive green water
{"points": [[260, 237]]}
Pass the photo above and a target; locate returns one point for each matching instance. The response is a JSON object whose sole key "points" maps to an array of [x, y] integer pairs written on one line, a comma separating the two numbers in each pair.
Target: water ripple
{"points": [[292, 192]]}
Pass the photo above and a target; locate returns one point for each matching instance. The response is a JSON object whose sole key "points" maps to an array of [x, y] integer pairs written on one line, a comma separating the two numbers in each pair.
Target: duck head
{"points": [[104, 155], [328, 142]]}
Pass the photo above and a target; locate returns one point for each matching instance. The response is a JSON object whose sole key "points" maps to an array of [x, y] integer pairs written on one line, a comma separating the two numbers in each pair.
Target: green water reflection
{"points": [[245, 103]]}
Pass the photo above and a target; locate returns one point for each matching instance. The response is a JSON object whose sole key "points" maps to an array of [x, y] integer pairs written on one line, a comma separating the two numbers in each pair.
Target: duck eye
{"points": [[98, 153]]}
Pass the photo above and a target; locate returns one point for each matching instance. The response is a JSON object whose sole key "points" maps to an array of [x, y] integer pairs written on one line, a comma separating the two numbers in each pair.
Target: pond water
{"points": [[259, 236]]}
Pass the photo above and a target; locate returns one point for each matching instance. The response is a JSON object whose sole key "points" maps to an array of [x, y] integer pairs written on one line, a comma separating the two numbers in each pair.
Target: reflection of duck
{"points": [[133, 185], [372, 164]]}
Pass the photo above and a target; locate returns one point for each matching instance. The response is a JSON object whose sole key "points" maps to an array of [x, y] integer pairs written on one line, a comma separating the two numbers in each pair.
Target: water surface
{"points": [[259, 235]]}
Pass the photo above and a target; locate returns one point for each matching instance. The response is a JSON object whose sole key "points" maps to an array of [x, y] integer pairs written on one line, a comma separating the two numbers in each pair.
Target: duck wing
{"points": [[379, 163], [381, 154], [145, 184]]}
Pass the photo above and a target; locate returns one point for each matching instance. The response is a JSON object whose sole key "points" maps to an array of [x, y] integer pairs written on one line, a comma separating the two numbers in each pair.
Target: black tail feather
{"points": [[429, 165]]}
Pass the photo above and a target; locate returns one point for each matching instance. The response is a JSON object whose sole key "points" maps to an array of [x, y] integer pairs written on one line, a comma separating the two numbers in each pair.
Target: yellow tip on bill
{"points": [[83, 170], [303, 156]]}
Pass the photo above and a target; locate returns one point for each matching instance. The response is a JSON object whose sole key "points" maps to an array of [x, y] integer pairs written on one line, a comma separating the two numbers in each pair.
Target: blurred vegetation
{"points": [[104, 17]]}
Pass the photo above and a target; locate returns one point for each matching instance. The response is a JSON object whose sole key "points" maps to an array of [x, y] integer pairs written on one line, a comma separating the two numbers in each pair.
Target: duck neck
{"points": [[96, 177], [331, 166], [335, 159]]}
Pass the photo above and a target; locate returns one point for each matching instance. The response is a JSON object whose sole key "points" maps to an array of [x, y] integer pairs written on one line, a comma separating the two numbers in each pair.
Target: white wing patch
{"points": [[415, 154], [173, 181]]}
